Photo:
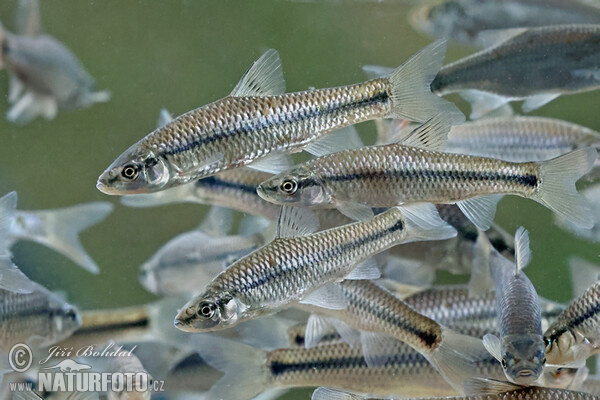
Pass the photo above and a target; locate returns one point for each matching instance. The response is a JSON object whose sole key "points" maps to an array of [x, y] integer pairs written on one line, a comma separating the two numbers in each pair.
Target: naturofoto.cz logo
{"points": [[68, 375]]}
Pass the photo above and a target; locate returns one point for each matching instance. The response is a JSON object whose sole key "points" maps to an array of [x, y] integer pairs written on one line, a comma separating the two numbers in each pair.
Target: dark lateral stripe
{"points": [[252, 127], [142, 323], [216, 183], [525, 180], [277, 272], [590, 312]]}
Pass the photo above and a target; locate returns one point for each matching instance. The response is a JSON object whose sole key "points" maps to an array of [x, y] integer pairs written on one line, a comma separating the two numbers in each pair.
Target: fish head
{"points": [[209, 312], [137, 170], [299, 186], [523, 358]]}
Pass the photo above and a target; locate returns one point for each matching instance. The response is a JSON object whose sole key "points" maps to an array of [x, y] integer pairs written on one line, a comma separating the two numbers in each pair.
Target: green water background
{"points": [[181, 55]]}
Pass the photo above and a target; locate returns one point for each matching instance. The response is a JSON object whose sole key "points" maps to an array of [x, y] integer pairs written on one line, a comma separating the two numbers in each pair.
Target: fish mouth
{"points": [[105, 188]]}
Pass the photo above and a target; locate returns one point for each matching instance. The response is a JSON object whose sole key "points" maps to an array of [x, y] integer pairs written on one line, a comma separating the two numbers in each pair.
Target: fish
{"points": [[57, 229], [592, 196], [521, 138], [532, 64], [249, 371], [575, 334], [189, 261], [463, 20], [258, 123], [39, 319], [45, 75], [302, 266], [414, 171], [375, 316], [500, 391], [520, 346]]}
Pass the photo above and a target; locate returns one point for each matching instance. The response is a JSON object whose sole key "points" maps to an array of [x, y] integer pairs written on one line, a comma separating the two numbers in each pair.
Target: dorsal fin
{"points": [[263, 78], [522, 251], [432, 135], [486, 386], [164, 117], [296, 221]]}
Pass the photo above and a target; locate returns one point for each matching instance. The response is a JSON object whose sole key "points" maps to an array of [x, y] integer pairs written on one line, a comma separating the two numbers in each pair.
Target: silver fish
{"points": [[258, 121], [463, 20], [374, 316], [520, 138], [385, 176], [535, 64], [520, 347], [592, 196], [131, 378], [45, 75], [500, 391], [298, 265], [38, 318], [575, 335], [188, 262]]}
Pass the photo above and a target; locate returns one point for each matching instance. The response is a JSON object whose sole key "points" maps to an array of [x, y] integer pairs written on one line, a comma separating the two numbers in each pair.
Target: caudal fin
{"points": [[61, 229], [457, 358], [411, 87], [557, 189], [246, 374]]}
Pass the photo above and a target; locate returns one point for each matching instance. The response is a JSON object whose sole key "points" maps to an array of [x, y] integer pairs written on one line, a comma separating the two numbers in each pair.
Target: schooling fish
{"points": [[520, 347], [45, 75], [188, 262], [57, 229], [463, 20], [575, 335], [257, 124], [535, 64], [383, 176], [301, 266], [374, 316]]}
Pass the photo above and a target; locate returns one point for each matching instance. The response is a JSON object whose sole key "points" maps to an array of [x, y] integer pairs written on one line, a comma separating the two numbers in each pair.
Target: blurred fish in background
{"points": [[45, 75]]}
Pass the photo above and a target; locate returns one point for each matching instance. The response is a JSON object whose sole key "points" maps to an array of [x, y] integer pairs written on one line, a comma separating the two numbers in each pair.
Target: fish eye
{"points": [[71, 314], [504, 363], [547, 341], [289, 186], [206, 310], [129, 172]]}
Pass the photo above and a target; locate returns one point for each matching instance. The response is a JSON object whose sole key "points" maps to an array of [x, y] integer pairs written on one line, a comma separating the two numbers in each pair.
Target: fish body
{"points": [[259, 120], [38, 318], [389, 175], [520, 138], [535, 64], [292, 267], [575, 334], [463, 20], [132, 377], [520, 346]]}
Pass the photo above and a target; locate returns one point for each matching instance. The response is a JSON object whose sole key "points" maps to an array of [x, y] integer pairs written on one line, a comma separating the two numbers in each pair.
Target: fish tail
{"points": [[245, 367], [8, 207], [63, 226], [557, 185], [422, 222], [411, 87], [456, 357]]}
